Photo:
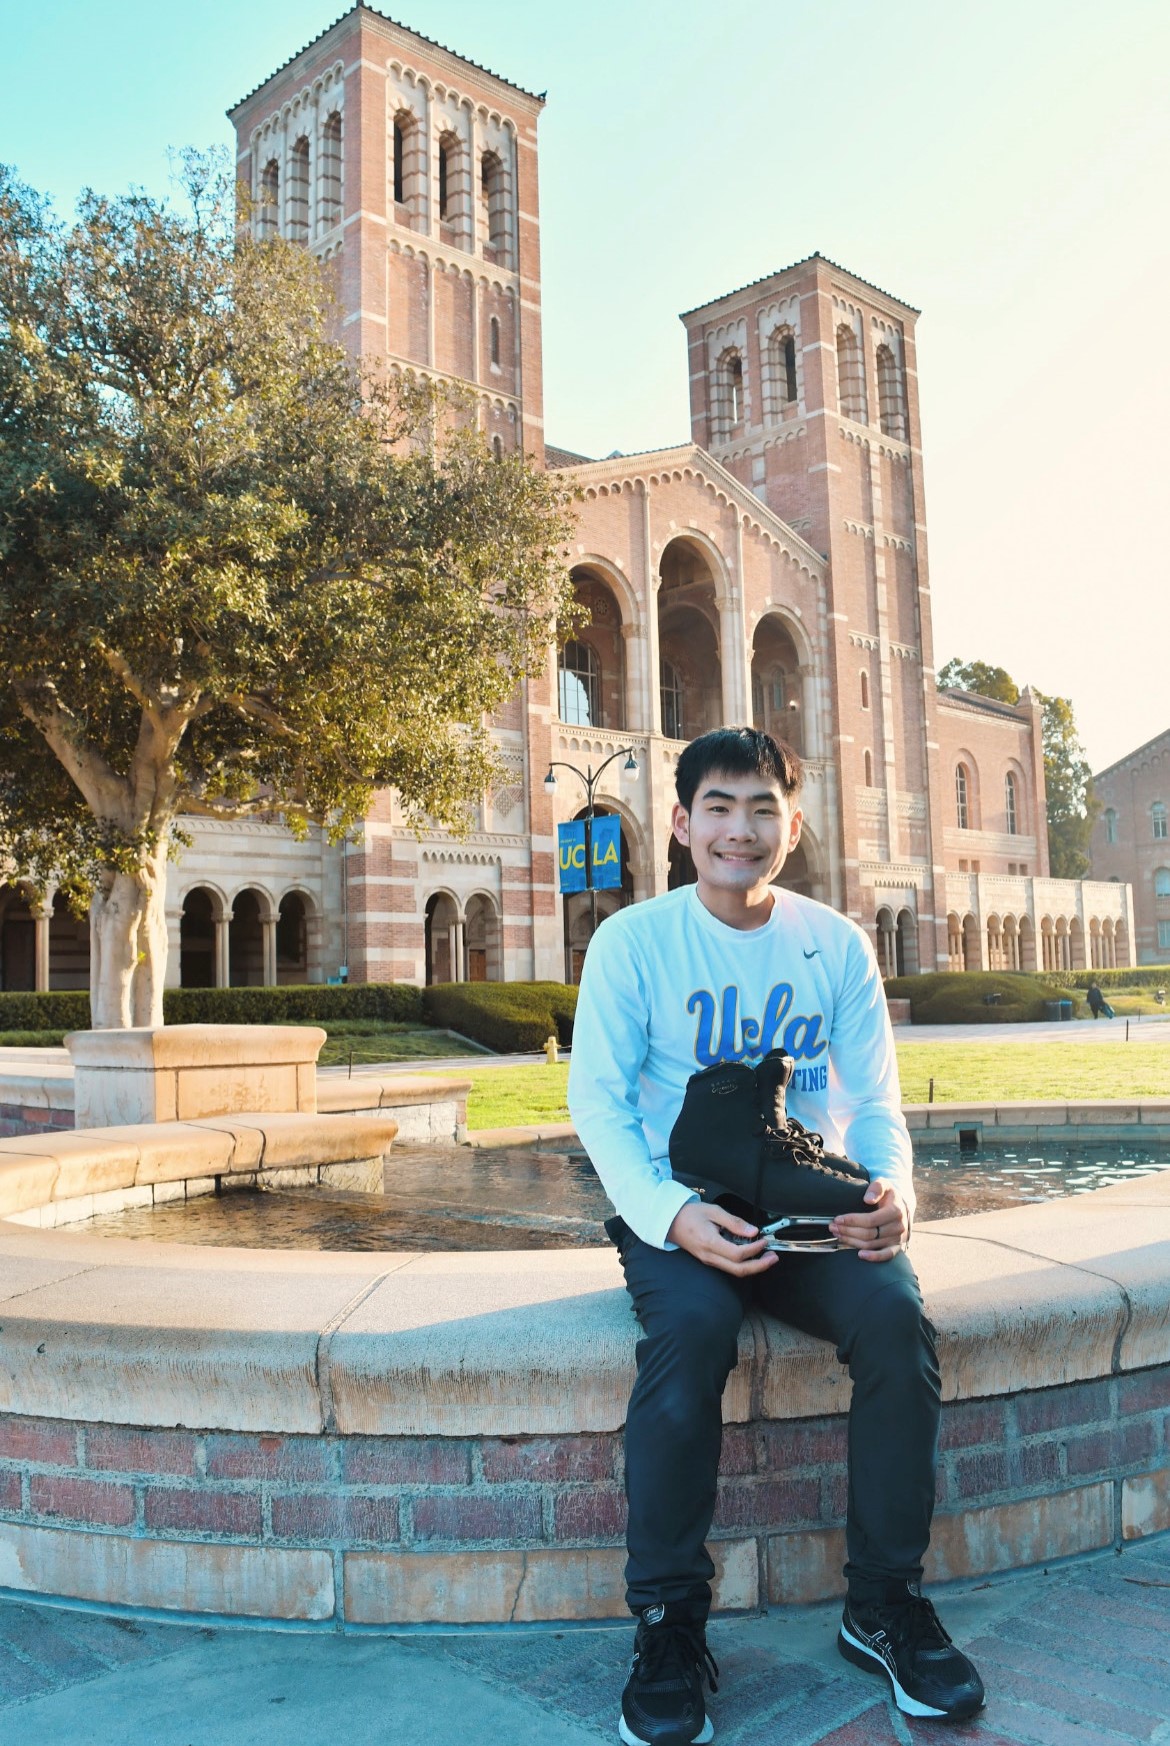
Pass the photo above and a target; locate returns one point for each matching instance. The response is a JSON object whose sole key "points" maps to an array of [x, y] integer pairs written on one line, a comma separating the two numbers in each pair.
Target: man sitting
{"points": [[726, 970]]}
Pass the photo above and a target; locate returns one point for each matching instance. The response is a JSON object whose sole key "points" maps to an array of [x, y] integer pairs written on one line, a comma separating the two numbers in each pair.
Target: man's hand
{"points": [[878, 1234], [698, 1228]]}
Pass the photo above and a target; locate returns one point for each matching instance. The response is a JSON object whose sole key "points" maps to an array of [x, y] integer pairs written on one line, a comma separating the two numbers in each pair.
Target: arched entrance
{"points": [[292, 939], [197, 968], [591, 668], [690, 672], [970, 943], [246, 940], [68, 946], [776, 689], [443, 936], [485, 957], [18, 942], [954, 942]]}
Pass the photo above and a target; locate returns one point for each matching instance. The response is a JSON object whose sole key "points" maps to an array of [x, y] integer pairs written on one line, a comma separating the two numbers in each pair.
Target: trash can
{"points": [[1052, 1009], [1066, 1009]]}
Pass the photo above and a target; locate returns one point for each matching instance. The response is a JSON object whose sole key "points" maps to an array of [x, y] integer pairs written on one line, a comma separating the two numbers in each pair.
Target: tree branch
{"points": [[121, 668], [105, 792], [255, 710]]}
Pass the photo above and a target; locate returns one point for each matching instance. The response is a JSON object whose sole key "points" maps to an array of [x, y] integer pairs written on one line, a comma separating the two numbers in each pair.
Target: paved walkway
{"points": [[1078, 1654]]}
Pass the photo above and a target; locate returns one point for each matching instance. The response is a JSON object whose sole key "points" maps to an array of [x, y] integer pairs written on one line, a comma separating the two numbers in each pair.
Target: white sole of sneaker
{"points": [[627, 1734], [861, 1655]]}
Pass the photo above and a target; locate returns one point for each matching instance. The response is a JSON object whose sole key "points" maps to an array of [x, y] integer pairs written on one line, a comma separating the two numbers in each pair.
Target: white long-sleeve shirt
{"points": [[668, 989]]}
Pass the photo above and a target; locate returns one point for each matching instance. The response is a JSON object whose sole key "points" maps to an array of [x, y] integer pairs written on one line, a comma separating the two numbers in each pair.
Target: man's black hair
{"points": [[739, 751]]}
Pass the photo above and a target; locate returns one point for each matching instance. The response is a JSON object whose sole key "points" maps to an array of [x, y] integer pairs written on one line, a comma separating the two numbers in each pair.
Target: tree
{"points": [[237, 576], [978, 677], [1068, 789], [1067, 776]]}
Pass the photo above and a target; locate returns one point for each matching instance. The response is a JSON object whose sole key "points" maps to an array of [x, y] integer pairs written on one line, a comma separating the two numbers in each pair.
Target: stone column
{"points": [[654, 699], [222, 954], [42, 916], [268, 923]]}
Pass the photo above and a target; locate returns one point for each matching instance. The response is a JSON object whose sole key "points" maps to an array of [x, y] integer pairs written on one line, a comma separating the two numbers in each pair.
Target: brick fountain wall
{"points": [[386, 1530]]}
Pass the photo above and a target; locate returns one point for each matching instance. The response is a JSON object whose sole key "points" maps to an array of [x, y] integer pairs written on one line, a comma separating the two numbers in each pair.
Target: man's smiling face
{"points": [[740, 830]]}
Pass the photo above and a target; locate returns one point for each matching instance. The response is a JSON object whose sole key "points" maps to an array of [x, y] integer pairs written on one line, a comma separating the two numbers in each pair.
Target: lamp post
{"points": [[591, 777]]}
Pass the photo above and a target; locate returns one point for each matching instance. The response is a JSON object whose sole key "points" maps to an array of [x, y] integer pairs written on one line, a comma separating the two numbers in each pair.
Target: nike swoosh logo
{"points": [[814, 953]]}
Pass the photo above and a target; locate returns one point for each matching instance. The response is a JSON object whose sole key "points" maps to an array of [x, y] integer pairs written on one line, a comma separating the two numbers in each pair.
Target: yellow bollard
{"points": [[550, 1052]]}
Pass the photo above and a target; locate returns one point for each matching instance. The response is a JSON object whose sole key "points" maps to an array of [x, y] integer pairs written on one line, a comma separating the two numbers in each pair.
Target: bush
{"points": [[396, 1001], [227, 1006], [510, 1017], [1147, 976], [67, 1010], [959, 997]]}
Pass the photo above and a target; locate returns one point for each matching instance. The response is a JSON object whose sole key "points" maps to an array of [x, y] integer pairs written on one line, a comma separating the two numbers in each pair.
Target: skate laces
{"points": [[676, 1649]]}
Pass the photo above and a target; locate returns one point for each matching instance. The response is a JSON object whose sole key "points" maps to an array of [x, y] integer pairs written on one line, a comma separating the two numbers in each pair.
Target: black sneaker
{"points": [[902, 1638], [662, 1704]]}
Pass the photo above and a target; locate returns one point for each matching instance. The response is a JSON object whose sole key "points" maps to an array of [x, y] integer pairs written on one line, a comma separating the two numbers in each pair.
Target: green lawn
{"points": [[507, 1097], [375, 1040]]}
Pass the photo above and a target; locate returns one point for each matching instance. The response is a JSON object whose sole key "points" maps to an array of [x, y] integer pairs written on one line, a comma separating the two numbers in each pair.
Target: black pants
{"points": [[690, 1316]]}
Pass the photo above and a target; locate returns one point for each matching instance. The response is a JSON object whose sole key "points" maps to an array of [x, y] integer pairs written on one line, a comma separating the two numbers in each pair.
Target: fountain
{"points": [[395, 1438]]}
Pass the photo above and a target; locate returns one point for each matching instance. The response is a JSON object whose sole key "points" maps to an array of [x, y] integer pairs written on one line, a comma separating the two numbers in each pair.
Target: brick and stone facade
{"points": [[1131, 840], [771, 569]]}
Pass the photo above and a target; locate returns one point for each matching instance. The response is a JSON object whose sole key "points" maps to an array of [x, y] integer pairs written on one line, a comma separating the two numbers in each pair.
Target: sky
{"points": [[1004, 167]]}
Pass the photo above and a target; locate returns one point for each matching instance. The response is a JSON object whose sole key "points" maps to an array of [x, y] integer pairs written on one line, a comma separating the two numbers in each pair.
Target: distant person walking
{"points": [[1097, 1002]]}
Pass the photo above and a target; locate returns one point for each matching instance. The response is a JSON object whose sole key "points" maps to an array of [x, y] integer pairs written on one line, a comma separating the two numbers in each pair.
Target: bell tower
{"points": [[804, 386]]}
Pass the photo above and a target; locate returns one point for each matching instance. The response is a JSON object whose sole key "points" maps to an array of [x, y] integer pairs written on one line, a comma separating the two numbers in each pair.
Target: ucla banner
{"points": [[607, 852], [571, 855]]}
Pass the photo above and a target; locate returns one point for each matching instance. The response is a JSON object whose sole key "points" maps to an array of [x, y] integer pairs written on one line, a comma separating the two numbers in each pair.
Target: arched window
{"points": [[671, 689], [869, 769], [446, 177], [735, 384], [298, 192], [331, 172], [268, 212], [1110, 825], [1010, 807], [400, 160], [891, 406], [494, 340], [850, 375], [790, 368], [498, 454], [579, 685], [962, 797], [1162, 882], [493, 194], [1158, 820], [865, 691]]}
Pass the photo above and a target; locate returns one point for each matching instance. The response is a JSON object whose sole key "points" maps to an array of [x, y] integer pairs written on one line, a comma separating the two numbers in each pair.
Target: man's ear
{"points": [[680, 824], [795, 822]]}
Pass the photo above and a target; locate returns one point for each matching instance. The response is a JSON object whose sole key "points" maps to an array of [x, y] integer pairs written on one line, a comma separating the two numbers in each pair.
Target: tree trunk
{"points": [[128, 946]]}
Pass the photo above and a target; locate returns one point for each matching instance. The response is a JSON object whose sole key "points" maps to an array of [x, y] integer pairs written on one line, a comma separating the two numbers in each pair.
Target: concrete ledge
{"points": [[429, 1108], [63, 1178]]}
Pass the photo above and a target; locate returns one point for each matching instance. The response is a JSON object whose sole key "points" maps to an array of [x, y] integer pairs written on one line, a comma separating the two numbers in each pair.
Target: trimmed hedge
{"points": [[64, 1011], [513, 1018], [397, 1001], [1145, 976], [227, 1006], [959, 997]]}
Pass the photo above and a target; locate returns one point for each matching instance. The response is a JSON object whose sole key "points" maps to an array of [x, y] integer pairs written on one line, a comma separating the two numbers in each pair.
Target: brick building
{"points": [[772, 568], [1131, 840]]}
